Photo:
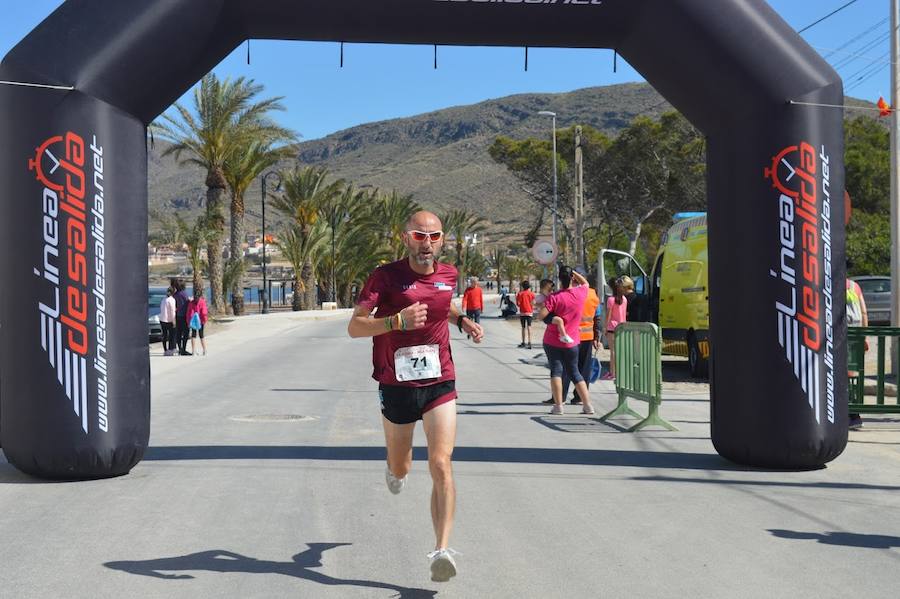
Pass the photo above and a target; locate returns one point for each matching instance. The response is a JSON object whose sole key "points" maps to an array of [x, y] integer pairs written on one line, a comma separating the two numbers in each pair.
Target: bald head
{"points": [[423, 220], [424, 251]]}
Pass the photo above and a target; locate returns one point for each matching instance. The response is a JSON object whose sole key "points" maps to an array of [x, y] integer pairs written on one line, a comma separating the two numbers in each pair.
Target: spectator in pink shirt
{"points": [[197, 306], [616, 314], [567, 303]]}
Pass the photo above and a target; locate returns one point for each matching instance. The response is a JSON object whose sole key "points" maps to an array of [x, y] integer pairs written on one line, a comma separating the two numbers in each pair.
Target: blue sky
{"points": [[387, 81]]}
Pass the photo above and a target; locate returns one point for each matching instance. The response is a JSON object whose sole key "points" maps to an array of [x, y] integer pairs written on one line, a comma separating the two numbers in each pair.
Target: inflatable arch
{"points": [[74, 368]]}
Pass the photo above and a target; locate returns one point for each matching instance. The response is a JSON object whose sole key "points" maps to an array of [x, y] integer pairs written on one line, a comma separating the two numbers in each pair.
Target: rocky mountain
{"points": [[440, 157]]}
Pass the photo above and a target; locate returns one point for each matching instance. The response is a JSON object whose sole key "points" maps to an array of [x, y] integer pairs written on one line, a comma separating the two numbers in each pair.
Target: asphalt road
{"points": [[265, 479]]}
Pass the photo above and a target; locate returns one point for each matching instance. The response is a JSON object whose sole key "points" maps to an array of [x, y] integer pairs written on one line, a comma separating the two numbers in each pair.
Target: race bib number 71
{"points": [[417, 362]]}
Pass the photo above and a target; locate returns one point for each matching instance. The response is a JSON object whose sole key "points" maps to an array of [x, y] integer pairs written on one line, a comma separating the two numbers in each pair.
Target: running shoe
{"points": [[521, 345], [607, 377], [529, 346], [557, 410], [394, 484], [587, 410], [856, 422], [575, 401], [566, 339], [443, 566], [548, 402]]}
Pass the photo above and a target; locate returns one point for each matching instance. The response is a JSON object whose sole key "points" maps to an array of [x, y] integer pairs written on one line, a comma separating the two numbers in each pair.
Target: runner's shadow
{"points": [[847, 539], [218, 560]]}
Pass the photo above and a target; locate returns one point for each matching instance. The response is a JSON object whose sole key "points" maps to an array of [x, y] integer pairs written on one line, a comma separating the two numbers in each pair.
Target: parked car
{"points": [[877, 293], [155, 295]]}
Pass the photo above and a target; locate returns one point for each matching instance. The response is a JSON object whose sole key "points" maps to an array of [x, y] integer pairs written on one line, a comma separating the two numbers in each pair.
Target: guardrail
{"points": [[856, 367], [639, 372]]}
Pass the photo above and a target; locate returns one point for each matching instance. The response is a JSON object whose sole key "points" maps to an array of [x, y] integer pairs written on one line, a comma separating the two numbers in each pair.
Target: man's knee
{"points": [[441, 466], [400, 463]]}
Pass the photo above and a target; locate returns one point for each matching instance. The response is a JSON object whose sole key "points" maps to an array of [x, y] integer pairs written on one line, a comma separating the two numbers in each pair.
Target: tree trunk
{"points": [[216, 186], [237, 253], [308, 276], [459, 274], [198, 279], [296, 299], [632, 246]]}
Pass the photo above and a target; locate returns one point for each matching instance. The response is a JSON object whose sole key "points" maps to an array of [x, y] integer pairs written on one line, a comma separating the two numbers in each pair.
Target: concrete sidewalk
{"points": [[265, 479]]}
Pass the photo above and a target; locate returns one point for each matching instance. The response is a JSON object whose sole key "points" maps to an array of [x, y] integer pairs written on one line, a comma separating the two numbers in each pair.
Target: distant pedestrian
{"points": [[197, 315], [473, 301], [563, 357], [634, 300], [525, 303], [857, 315], [616, 314], [181, 325], [167, 322]]}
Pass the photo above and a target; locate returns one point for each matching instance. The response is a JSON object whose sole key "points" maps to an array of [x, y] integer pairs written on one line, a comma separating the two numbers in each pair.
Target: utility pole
{"points": [[555, 191], [579, 201], [895, 180]]}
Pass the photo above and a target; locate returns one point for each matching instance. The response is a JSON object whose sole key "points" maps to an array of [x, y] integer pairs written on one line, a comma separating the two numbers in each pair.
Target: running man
{"points": [[414, 368]]}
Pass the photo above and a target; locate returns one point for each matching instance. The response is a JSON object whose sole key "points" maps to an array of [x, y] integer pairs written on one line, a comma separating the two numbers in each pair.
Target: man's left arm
{"points": [[469, 327]]}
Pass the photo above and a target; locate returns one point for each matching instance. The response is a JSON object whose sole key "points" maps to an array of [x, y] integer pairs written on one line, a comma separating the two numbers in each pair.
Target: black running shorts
{"points": [[405, 405]]}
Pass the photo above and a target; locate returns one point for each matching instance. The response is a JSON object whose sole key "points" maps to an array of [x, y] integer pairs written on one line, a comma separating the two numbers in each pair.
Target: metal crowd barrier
{"points": [[639, 372], [856, 367]]}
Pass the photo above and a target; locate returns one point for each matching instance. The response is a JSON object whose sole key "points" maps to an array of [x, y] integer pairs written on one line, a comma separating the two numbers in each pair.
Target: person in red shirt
{"points": [[411, 299], [525, 303], [472, 301]]}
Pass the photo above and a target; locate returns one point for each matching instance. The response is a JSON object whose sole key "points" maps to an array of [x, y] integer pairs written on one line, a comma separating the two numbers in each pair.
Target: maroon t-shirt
{"points": [[395, 286]]}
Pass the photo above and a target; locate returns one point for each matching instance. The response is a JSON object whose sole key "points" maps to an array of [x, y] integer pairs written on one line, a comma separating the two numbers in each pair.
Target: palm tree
{"points": [[459, 223], [305, 192], [241, 168], [394, 212], [195, 237], [224, 117], [497, 259], [302, 248], [359, 245]]}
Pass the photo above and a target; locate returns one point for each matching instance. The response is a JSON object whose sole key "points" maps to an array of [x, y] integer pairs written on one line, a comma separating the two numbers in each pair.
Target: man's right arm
{"points": [[363, 325]]}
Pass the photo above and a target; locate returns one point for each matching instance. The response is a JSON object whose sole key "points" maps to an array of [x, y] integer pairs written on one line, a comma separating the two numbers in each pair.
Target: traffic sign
{"points": [[544, 251]]}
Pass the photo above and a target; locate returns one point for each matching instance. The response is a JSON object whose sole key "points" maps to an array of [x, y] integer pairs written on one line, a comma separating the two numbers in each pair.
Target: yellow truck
{"points": [[676, 294]]}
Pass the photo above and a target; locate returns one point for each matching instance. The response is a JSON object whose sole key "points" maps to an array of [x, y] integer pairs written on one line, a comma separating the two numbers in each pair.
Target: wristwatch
{"points": [[459, 320]]}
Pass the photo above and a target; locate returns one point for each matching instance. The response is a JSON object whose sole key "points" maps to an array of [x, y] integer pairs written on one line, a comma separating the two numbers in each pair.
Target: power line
{"points": [[866, 47], [858, 36], [867, 57], [866, 77], [865, 70], [831, 14]]}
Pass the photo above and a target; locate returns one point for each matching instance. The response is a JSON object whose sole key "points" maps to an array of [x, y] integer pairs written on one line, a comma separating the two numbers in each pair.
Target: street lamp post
{"points": [[333, 253], [555, 198], [265, 293], [333, 216]]}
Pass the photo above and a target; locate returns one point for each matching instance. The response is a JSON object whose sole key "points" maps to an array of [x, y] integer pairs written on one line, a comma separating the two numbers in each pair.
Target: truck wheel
{"points": [[699, 364]]}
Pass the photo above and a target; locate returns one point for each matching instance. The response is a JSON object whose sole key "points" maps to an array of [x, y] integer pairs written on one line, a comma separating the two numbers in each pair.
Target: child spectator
{"points": [[525, 302]]}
